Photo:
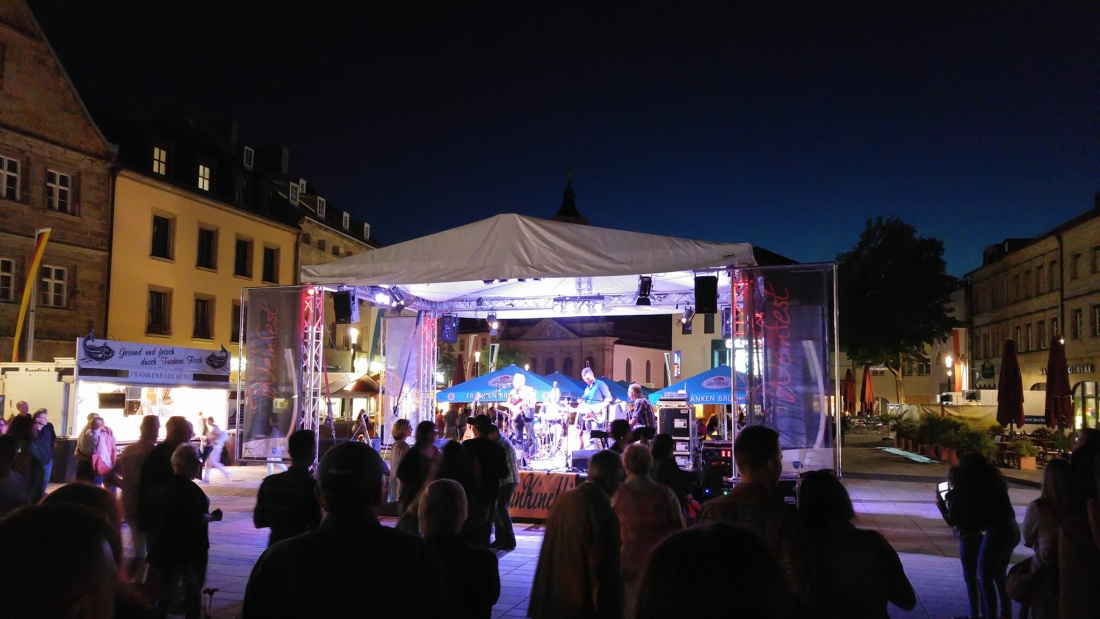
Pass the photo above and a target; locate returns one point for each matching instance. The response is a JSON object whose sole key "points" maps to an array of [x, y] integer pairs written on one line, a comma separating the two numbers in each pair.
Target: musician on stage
{"points": [[596, 398], [521, 401], [641, 414]]}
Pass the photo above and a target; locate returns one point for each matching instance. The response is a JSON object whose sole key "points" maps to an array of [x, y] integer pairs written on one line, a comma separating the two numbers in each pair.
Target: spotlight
{"points": [[645, 286], [570, 306], [398, 301], [689, 315], [382, 297], [557, 306], [494, 324], [597, 306]]}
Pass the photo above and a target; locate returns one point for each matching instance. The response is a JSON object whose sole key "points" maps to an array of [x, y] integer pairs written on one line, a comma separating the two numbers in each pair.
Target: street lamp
{"points": [[353, 336], [477, 363]]}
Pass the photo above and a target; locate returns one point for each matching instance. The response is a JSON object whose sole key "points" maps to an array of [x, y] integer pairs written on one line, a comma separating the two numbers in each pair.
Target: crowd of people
{"points": [[626, 543]]}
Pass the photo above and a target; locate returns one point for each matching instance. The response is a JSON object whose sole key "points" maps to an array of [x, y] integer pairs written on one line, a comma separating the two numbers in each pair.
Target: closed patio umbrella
{"points": [[1010, 389], [867, 393], [1059, 407], [849, 392]]}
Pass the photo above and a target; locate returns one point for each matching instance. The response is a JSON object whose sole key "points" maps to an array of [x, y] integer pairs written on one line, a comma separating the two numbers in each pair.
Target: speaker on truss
{"points": [[346, 307], [448, 329], [706, 294]]}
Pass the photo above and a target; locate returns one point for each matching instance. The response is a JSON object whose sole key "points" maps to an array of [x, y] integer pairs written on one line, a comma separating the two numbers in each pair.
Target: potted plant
{"points": [[906, 431], [1061, 441], [1025, 455], [979, 441]]}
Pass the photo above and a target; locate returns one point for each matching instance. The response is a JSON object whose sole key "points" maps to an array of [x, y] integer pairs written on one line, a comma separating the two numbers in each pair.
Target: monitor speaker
{"points": [[448, 329], [706, 294], [581, 458], [346, 307]]}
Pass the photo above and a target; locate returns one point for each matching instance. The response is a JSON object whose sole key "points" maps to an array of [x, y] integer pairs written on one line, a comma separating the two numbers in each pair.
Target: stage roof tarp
{"points": [[484, 262]]}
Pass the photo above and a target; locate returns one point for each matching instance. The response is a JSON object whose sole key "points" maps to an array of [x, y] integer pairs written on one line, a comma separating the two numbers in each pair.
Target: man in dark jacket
{"points": [[287, 502], [489, 465]]}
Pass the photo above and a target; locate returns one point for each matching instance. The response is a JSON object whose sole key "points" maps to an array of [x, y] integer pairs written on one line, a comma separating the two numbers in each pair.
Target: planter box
{"points": [[950, 455], [899, 442], [1025, 463]]}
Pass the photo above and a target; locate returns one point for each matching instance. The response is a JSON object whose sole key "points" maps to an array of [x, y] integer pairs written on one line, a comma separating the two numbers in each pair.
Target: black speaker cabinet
{"points": [[346, 307], [706, 294], [581, 458], [448, 329]]}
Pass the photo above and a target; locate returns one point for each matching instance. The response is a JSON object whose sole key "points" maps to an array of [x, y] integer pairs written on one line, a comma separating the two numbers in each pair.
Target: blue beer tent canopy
{"points": [[711, 387], [493, 387], [618, 391], [570, 387]]}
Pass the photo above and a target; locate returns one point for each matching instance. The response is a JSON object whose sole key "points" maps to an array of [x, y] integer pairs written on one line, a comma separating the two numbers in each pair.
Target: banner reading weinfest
{"points": [[796, 328], [271, 371]]}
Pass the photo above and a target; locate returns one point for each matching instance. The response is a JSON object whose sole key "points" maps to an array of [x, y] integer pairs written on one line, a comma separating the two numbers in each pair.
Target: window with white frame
{"points": [[59, 191], [249, 157], [9, 178], [346, 220], [293, 194], [7, 279], [366, 231], [1095, 320], [320, 207], [160, 161], [1078, 329], [53, 286], [1041, 327], [204, 177]]}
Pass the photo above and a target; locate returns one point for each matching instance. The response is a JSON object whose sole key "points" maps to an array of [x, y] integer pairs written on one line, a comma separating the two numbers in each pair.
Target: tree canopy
{"points": [[893, 291]]}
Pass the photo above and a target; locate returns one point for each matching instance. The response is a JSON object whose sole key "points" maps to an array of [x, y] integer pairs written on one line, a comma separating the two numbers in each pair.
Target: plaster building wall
{"points": [[47, 137], [1029, 290], [135, 273], [640, 365]]}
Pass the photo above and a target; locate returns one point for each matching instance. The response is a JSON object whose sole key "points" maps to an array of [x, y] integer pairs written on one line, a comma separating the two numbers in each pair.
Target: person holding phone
{"points": [[977, 505]]}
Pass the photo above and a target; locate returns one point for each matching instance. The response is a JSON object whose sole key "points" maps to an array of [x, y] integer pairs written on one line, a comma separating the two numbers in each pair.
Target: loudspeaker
{"points": [[581, 458], [448, 329], [706, 294], [346, 307]]}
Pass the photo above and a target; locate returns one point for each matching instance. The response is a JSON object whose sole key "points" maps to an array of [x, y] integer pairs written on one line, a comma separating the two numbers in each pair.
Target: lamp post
{"points": [[949, 363], [477, 363]]}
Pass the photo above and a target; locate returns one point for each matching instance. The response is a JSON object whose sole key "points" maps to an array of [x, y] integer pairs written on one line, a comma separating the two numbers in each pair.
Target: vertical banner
{"points": [[272, 370], [402, 400], [796, 341]]}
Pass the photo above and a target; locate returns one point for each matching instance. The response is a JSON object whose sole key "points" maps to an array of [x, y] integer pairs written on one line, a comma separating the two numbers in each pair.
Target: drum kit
{"points": [[558, 430]]}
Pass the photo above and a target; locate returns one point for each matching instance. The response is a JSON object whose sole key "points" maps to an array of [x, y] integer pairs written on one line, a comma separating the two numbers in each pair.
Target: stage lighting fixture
{"points": [[494, 324], [645, 286], [398, 300], [382, 297], [557, 306], [689, 315], [597, 306], [570, 306]]}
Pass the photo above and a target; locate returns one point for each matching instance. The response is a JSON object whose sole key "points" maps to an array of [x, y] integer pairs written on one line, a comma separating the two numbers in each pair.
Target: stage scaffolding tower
{"points": [[429, 350], [313, 357]]}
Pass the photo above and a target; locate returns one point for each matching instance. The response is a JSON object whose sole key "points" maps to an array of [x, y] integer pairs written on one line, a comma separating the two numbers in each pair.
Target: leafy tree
{"points": [[893, 291]]}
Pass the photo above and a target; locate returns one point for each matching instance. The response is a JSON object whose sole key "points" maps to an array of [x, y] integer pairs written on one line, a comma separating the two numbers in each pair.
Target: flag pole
{"points": [[30, 288]]}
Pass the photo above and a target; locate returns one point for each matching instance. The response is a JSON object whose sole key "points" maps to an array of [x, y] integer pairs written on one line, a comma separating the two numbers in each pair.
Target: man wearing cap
{"points": [[490, 466], [326, 572]]}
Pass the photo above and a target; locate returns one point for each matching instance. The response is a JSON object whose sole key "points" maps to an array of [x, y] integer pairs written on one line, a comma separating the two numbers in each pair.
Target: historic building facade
{"points": [[55, 172], [1030, 290]]}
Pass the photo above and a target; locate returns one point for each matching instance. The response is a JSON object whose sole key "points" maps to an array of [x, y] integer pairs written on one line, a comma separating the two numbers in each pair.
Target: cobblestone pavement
{"points": [[892, 494]]}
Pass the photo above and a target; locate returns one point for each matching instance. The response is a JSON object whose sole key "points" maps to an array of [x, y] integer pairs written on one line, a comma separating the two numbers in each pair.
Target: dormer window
{"points": [[366, 231], [160, 161], [321, 208], [249, 157], [292, 194], [204, 177], [302, 185], [346, 219]]}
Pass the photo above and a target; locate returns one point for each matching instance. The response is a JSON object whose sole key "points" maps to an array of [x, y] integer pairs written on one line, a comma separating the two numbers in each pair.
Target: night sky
{"points": [[785, 125]]}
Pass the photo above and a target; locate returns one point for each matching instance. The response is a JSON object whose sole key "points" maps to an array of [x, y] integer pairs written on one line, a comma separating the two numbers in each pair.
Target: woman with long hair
{"points": [[978, 507], [858, 572], [1040, 531], [29, 458]]}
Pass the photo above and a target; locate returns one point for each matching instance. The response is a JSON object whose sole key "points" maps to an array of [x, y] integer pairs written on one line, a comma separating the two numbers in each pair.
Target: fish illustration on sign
{"points": [[100, 353], [217, 360]]}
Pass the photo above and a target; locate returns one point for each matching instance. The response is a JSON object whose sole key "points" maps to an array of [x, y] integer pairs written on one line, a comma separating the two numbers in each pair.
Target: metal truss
{"points": [[657, 299], [429, 350], [313, 357]]}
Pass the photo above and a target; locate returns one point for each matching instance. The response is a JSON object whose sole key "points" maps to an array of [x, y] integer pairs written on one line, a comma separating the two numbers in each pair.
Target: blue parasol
{"points": [[711, 387], [493, 387]]}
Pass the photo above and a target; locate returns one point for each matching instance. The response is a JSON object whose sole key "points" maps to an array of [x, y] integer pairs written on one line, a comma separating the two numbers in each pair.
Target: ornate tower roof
{"points": [[568, 211]]}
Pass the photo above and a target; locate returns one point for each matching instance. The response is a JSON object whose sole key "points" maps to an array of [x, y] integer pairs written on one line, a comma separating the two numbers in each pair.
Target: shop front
{"points": [[124, 381]]}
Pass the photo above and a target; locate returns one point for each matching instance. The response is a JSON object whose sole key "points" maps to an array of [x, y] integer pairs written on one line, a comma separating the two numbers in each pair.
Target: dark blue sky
{"points": [[786, 124]]}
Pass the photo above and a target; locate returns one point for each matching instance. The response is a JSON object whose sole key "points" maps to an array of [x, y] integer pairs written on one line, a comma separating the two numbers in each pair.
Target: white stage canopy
{"points": [[524, 267]]}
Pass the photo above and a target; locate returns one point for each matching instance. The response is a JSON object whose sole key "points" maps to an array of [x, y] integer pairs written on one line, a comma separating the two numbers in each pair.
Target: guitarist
{"points": [[596, 398], [521, 401], [641, 414]]}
